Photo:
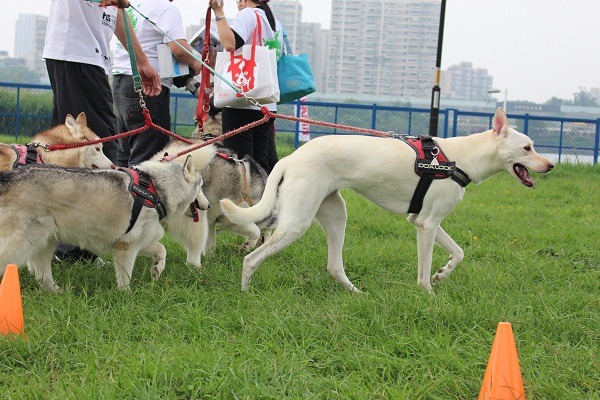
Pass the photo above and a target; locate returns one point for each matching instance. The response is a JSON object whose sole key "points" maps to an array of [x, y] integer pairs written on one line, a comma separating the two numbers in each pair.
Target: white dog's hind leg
{"points": [[40, 265], [456, 254], [159, 253], [332, 217], [284, 235], [250, 231]]}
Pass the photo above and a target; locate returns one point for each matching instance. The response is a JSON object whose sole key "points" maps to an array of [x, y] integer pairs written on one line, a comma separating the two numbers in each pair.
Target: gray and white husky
{"points": [[92, 209], [225, 177]]}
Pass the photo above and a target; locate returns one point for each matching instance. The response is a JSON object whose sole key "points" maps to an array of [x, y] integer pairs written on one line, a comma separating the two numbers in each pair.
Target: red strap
{"points": [[204, 98], [256, 38]]}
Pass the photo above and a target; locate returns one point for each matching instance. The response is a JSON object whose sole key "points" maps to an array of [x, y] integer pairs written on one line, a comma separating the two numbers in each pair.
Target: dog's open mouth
{"points": [[523, 174], [193, 210]]}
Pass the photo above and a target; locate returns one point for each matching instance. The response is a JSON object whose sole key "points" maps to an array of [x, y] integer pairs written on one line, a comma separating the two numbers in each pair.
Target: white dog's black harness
{"points": [[144, 195], [431, 164], [26, 155]]}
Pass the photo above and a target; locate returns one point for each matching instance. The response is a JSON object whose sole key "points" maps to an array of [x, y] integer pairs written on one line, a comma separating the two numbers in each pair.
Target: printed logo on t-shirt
{"points": [[109, 20]]}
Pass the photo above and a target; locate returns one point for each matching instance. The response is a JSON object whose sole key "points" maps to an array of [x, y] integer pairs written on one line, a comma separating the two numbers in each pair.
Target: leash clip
{"points": [[45, 146]]}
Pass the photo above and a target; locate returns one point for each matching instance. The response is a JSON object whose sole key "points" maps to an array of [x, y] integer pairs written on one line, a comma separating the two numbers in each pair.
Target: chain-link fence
{"points": [[26, 109]]}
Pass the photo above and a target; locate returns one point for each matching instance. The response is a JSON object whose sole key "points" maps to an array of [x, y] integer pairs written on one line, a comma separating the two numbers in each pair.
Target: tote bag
{"points": [[294, 74], [252, 69]]}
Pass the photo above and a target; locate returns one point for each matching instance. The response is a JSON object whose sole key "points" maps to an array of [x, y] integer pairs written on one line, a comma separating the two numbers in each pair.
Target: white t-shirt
{"points": [[167, 17], [80, 31], [244, 23]]}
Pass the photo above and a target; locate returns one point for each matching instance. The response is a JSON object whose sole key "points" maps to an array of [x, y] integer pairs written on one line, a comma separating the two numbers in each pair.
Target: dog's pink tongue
{"points": [[524, 176]]}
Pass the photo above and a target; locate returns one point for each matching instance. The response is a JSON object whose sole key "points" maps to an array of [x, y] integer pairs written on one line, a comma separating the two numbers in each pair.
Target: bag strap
{"points": [[256, 36], [288, 48]]}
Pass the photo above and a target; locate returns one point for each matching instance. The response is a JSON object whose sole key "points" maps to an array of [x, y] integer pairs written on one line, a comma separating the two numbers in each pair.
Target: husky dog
{"points": [[305, 186], [224, 176], [212, 127], [72, 131], [44, 205]]}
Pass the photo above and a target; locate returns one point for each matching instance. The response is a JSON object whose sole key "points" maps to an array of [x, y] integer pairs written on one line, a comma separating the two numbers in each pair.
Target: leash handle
{"points": [[137, 82], [203, 105]]}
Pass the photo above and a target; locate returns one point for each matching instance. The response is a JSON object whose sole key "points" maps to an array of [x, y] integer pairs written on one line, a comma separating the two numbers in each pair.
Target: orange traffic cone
{"points": [[502, 379], [11, 308]]}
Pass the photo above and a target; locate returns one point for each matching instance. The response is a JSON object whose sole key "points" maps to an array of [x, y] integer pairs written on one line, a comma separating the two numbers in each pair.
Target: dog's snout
{"points": [[550, 167]]}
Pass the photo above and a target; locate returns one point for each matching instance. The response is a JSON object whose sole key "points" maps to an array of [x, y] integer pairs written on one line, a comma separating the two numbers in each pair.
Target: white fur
{"points": [[305, 186]]}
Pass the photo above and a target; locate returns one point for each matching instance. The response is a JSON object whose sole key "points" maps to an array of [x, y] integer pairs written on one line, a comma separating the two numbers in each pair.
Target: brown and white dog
{"points": [[306, 184], [72, 131]]}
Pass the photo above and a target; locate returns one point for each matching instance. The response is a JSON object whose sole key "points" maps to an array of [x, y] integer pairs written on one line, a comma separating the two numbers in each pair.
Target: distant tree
{"points": [[19, 75], [584, 98], [554, 101]]}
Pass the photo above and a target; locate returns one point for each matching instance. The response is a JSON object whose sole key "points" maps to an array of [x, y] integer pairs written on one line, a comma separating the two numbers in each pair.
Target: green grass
{"points": [[531, 258]]}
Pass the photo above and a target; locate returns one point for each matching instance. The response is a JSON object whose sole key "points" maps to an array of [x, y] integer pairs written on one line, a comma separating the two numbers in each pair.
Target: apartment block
{"points": [[462, 81], [383, 47], [304, 37], [30, 34]]}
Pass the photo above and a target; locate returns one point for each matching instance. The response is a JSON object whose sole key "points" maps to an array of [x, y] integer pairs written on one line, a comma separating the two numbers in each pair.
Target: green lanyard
{"points": [[137, 82]]}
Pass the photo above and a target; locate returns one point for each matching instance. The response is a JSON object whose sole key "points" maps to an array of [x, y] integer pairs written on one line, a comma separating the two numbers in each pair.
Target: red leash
{"points": [[268, 115], [149, 124]]}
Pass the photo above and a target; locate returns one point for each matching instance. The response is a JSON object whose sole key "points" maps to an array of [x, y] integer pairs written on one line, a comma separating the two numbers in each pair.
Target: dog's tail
{"points": [[264, 208]]}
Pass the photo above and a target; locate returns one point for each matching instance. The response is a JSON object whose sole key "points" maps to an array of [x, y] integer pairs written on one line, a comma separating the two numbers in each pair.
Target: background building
{"points": [[383, 47], [30, 34], [462, 81], [304, 37]]}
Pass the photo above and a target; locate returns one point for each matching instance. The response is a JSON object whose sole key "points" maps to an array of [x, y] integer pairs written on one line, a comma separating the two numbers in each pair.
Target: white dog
{"points": [[305, 186]]}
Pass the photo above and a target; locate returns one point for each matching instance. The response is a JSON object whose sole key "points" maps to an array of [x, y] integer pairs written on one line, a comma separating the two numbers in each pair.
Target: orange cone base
{"points": [[11, 307], [502, 379]]}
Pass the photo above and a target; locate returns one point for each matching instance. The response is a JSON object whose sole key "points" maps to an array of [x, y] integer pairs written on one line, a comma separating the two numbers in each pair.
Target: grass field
{"points": [[531, 258]]}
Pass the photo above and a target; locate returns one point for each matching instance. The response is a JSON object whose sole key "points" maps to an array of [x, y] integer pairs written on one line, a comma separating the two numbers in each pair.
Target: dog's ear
{"points": [[500, 122], [189, 171], [81, 119], [74, 127]]}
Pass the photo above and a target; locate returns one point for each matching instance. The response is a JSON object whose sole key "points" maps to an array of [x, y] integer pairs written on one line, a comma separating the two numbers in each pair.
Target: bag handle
{"points": [[288, 48], [256, 36]]}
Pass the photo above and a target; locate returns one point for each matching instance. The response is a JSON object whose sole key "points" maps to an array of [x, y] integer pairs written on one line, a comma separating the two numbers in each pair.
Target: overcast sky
{"points": [[534, 48]]}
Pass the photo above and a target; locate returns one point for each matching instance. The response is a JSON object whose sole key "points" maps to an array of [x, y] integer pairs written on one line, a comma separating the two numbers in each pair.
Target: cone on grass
{"points": [[11, 307], [502, 379]]}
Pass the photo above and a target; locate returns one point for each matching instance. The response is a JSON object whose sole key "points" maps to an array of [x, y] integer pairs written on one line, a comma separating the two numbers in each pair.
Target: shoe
{"points": [[72, 254]]}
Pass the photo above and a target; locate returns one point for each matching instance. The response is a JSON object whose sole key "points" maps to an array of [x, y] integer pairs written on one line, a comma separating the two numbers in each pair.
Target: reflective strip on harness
{"points": [[144, 195], [431, 163]]}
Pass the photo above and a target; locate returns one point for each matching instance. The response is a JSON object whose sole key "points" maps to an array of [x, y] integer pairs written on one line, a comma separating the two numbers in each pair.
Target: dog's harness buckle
{"points": [[431, 163], [144, 195], [26, 155]]}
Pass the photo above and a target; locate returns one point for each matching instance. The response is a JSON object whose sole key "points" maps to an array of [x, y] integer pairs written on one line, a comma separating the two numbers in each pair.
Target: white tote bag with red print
{"points": [[252, 68]]}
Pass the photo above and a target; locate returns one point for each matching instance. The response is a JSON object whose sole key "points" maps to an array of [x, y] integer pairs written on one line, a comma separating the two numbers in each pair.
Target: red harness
{"points": [[431, 163], [26, 155], [144, 195]]}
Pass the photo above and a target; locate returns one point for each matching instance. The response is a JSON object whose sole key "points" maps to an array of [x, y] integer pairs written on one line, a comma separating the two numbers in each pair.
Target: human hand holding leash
{"points": [[150, 79]]}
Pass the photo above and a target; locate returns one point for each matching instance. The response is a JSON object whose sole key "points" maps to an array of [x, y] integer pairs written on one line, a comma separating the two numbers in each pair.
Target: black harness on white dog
{"points": [[26, 155], [144, 195], [431, 164]]}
